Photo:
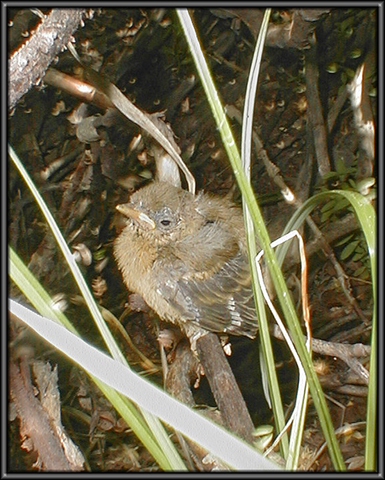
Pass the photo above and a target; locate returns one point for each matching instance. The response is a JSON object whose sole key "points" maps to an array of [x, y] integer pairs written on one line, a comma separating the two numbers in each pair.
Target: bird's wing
{"points": [[221, 302]]}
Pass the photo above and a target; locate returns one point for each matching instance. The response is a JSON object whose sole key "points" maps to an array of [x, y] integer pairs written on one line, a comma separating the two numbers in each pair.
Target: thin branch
{"points": [[28, 64], [315, 111], [34, 420]]}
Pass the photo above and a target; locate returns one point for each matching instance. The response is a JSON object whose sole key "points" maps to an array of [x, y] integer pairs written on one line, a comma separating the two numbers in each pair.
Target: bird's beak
{"points": [[129, 211]]}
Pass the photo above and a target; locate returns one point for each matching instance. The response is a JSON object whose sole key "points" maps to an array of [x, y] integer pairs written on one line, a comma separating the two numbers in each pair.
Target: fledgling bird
{"points": [[186, 256]]}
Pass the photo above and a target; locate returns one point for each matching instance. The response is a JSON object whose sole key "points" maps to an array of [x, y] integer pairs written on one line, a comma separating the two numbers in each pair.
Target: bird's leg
{"points": [[194, 334]]}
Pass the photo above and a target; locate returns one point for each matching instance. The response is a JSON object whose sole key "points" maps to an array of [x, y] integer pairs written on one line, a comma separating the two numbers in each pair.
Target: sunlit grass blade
{"points": [[264, 334], [231, 450]]}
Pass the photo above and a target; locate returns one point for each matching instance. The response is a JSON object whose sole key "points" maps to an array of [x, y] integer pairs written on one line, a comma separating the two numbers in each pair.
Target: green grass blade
{"points": [[91, 304], [263, 237], [246, 143], [162, 438], [366, 216], [40, 299]]}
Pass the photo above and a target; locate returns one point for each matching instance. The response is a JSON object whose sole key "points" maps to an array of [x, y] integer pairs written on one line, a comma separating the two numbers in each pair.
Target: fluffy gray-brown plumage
{"points": [[186, 256]]}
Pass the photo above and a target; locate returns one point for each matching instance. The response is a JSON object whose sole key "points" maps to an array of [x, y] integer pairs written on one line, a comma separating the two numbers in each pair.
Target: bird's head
{"points": [[162, 213]]}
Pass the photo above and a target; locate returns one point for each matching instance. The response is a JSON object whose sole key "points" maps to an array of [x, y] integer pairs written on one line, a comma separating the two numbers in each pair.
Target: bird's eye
{"points": [[165, 219]]}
